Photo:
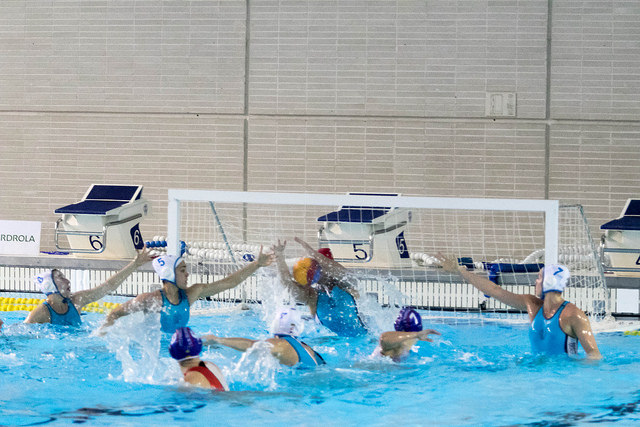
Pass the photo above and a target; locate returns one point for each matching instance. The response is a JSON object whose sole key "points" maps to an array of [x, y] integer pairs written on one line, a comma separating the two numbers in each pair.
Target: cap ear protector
{"points": [[44, 281], [409, 320], [306, 271], [184, 344]]}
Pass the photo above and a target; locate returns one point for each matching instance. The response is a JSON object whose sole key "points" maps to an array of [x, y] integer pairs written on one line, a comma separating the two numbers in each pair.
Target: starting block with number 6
{"points": [[361, 236], [105, 223]]}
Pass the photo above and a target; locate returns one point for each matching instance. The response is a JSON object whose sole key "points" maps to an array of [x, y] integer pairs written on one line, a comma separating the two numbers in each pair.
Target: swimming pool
{"points": [[476, 373]]}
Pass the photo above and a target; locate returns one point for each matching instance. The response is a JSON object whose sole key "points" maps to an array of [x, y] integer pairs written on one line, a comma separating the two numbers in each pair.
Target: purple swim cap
{"points": [[184, 344], [408, 320]]}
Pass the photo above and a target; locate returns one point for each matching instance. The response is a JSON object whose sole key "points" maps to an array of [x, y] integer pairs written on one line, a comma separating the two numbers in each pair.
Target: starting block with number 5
{"points": [[105, 223], [361, 236]]}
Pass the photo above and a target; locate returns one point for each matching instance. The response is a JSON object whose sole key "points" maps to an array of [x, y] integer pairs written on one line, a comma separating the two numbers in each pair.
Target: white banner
{"points": [[20, 237]]}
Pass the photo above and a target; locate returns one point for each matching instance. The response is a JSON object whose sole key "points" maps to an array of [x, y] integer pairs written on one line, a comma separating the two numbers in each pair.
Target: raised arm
{"points": [[240, 344], [82, 298], [329, 266], [484, 285], [200, 290]]}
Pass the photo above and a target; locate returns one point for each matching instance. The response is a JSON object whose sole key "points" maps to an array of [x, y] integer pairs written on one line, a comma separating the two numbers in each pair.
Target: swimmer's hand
{"points": [[278, 249], [424, 334], [448, 263], [144, 256], [263, 259]]}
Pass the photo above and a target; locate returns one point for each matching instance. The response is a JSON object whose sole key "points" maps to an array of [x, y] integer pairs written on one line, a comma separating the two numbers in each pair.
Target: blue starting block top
{"points": [[100, 199], [361, 214], [630, 219]]}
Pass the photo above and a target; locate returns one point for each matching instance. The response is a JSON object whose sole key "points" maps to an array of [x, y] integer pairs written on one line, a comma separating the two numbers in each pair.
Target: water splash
{"points": [[257, 368], [135, 341]]}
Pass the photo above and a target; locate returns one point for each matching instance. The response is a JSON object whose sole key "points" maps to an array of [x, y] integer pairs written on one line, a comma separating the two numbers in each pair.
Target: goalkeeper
{"points": [[325, 286]]}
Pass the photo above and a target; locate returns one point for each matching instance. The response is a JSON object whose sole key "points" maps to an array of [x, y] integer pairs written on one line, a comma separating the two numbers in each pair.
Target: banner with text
{"points": [[20, 237]]}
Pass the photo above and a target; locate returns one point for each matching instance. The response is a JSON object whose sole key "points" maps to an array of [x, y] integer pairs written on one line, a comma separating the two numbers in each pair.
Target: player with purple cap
{"points": [[556, 325], [185, 347], [408, 331]]}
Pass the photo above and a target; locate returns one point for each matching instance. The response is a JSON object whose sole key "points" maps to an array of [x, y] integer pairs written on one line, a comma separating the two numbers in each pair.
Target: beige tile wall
{"points": [[317, 96]]}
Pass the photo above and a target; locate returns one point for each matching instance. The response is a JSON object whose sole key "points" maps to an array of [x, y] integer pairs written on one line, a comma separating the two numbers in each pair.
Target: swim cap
{"points": [[165, 266], [326, 252], [184, 345], [409, 320], [556, 278], [288, 321], [45, 282], [306, 271]]}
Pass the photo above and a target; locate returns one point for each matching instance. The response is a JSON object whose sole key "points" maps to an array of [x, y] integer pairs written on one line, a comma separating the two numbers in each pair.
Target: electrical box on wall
{"points": [[500, 104]]}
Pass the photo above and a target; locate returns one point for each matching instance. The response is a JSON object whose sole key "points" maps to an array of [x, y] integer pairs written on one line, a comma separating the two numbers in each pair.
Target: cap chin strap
{"points": [[544, 293]]}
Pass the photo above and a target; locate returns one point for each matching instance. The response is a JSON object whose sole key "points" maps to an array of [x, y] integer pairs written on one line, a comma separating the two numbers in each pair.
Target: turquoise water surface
{"points": [[477, 373]]}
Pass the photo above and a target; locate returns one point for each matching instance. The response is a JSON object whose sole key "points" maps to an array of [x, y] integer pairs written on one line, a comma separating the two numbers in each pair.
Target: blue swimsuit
{"points": [[70, 318], [339, 313], [306, 357], [174, 316], [547, 337]]}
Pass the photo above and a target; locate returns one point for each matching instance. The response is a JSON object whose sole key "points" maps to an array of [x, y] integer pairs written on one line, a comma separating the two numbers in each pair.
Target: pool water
{"points": [[477, 373]]}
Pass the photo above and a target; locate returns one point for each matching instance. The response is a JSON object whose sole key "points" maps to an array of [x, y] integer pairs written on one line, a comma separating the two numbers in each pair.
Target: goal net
{"points": [[388, 242]]}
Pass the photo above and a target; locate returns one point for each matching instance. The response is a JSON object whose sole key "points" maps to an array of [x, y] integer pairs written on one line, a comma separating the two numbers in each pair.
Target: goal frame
{"points": [[550, 208]]}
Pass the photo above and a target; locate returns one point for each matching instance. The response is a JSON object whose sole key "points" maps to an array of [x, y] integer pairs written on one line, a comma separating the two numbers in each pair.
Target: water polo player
{"points": [[62, 307], [175, 298], [408, 330], [555, 323], [325, 286]]}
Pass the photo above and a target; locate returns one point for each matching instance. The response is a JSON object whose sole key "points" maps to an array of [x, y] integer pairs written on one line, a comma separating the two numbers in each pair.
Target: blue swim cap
{"points": [[409, 320], [184, 345]]}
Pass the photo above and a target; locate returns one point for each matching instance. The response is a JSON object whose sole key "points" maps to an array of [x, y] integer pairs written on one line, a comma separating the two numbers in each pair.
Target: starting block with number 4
{"points": [[361, 236], [105, 223]]}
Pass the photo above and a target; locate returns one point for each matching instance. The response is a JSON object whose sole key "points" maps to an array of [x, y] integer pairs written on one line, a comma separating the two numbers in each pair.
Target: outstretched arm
{"points": [[143, 302], [484, 285], [330, 266], [82, 298], [240, 344], [200, 290], [396, 340]]}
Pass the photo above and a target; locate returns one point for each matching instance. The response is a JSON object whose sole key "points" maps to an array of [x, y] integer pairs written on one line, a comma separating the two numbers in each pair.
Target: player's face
{"points": [[182, 275]]}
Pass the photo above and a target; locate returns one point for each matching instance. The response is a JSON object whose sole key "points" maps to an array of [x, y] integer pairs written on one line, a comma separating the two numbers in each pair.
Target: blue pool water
{"points": [[477, 373]]}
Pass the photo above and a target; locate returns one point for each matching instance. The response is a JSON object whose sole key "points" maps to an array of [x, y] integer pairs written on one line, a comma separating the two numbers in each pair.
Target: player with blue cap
{"points": [[408, 331], [174, 300], [185, 347], [557, 326]]}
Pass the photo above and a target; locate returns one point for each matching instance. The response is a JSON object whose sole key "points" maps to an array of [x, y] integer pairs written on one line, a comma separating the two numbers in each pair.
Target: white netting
{"points": [[391, 249]]}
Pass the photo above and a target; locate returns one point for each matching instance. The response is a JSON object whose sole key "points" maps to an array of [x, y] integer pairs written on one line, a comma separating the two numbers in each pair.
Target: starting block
{"points": [[105, 223], [621, 242], [361, 236]]}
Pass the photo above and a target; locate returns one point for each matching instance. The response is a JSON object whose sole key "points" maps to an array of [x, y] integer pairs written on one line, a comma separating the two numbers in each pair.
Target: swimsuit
{"points": [[339, 313], [70, 318], [174, 316], [210, 376], [547, 337], [307, 357]]}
